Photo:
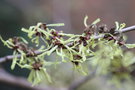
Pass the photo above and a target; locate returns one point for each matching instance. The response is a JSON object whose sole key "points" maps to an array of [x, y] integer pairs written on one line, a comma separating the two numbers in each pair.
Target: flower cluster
{"points": [[103, 53]]}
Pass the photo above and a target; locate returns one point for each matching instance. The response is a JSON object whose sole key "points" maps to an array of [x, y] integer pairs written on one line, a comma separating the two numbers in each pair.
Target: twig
{"points": [[10, 57], [75, 85]]}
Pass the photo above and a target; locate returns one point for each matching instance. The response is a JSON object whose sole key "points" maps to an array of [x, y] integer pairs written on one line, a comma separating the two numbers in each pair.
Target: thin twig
{"points": [[124, 30], [10, 57]]}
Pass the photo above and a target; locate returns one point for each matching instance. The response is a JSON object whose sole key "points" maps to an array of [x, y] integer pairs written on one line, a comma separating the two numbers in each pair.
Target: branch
{"points": [[10, 57]]}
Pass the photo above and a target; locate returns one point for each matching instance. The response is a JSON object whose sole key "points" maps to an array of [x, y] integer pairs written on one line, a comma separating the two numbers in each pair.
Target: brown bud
{"points": [[37, 65]]}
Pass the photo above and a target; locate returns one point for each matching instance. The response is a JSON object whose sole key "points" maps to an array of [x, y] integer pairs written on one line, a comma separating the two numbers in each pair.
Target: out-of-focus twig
{"points": [[77, 84], [8, 79]]}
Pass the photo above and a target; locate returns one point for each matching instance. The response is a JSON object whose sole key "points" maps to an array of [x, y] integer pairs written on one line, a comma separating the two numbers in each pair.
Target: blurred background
{"points": [[15, 14]]}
